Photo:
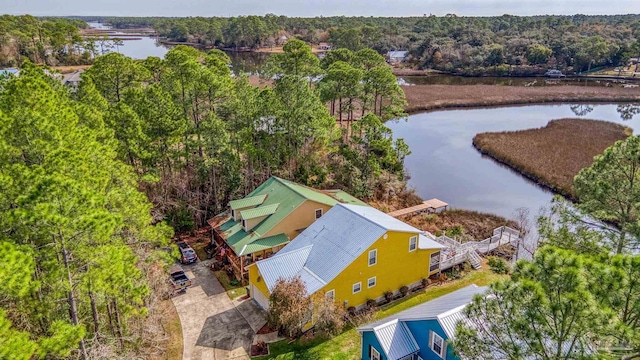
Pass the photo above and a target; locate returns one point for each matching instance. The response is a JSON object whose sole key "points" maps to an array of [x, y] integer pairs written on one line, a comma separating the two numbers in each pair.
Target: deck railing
{"points": [[468, 251]]}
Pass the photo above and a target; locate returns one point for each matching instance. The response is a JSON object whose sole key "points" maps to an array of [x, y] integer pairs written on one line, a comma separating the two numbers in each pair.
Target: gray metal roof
{"points": [[434, 308], [397, 54], [449, 321], [333, 242], [396, 340], [381, 219], [282, 265]]}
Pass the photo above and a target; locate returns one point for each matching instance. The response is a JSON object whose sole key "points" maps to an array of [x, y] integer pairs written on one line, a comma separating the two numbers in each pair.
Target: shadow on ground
{"points": [[227, 330]]}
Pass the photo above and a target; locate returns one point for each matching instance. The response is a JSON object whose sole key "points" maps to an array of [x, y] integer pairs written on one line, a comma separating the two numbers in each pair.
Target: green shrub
{"points": [[498, 265]]}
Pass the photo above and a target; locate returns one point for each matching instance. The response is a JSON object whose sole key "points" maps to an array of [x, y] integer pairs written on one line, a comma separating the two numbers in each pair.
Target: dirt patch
{"points": [[552, 155], [279, 50], [266, 329], [70, 68], [433, 97], [464, 225], [414, 72], [260, 82]]}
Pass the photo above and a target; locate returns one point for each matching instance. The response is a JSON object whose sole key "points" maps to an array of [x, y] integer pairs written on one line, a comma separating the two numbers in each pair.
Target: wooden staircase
{"points": [[456, 253]]}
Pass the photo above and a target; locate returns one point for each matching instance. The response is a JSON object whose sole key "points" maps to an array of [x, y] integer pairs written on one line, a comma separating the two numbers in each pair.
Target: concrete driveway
{"points": [[213, 326]]}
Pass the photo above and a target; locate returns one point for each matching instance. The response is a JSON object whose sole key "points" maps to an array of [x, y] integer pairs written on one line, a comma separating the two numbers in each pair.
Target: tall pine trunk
{"points": [[73, 307]]}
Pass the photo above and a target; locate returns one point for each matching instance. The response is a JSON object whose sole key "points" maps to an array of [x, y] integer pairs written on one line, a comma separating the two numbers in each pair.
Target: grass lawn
{"points": [[234, 291], [171, 324], [347, 344]]}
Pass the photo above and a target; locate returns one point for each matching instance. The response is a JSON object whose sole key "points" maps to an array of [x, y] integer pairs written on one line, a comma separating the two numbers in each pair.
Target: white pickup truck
{"points": [[179, 279]]}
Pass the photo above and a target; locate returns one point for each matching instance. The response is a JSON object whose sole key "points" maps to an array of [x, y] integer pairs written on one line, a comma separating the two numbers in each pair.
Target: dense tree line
{"points": [[198, 138], [470, 45], [81, 269], [50, 41], [89, 175]]}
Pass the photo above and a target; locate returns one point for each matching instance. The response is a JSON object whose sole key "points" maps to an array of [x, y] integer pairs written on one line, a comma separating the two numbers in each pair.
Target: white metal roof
{"points": [[331, 243], [441, 306], [427, 241], [396, 340]]}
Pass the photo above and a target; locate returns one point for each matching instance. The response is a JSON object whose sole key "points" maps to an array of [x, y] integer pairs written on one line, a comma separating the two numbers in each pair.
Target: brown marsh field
{"points": [[434, 97], [553, 155]]}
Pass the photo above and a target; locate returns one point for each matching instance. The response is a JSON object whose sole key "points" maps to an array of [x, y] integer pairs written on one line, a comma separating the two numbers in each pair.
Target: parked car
{"points": [[188, 254], [555, 74], [179, 279]]}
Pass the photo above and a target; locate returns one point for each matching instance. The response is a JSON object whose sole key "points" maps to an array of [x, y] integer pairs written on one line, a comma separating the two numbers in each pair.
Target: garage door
{"points": [[259, 297]]}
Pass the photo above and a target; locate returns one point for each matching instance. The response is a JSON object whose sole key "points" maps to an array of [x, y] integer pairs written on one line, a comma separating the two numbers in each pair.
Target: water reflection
{"points": [[627, 111], [581, 109]]}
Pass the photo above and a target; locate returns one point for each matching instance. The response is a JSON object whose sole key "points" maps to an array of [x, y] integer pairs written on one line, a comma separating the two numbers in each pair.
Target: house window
{"points": [[371, 282], [413, 243], [357, 287], [434, 262], [318, 213], [373, 257], [373, 353], [233, 214], [331, 294], [244, 224], [437, 344]]}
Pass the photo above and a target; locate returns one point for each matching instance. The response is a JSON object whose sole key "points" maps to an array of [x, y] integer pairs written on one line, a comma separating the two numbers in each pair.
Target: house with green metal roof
{"points": [[258, 225]]}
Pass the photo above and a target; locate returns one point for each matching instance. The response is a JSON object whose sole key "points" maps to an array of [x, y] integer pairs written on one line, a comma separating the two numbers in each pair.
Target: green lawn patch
{"points": [[233, 287], [347, 345]]}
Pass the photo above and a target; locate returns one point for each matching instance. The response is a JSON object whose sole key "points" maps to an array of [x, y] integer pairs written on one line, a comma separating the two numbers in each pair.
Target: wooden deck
{"points": [[432, 205]]}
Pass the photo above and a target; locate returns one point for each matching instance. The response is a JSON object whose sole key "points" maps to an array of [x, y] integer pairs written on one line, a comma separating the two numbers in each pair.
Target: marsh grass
{"points": [[553, 155], [434, 97]]}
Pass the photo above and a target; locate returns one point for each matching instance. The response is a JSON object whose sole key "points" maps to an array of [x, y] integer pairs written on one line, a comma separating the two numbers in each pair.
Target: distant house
{"points": [[260, 224], [420, 332], [351, 254], [73, 79], [394, 57], [324, 46]]}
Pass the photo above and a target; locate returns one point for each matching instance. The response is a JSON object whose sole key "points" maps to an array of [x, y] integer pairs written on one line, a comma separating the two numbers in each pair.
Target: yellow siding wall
{"points": [[254, 273], [396, 267], [303, 216], [251, 223]]}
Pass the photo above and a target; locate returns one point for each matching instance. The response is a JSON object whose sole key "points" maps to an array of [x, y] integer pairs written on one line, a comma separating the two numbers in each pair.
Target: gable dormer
{"points": [[244, 204], [252, 217]]}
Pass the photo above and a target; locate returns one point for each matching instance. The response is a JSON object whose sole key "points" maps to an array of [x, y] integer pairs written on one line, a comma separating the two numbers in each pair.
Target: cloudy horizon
{"points": [[316, 8]]}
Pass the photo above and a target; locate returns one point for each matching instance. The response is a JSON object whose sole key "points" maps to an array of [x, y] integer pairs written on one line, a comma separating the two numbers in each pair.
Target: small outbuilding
{"points": [[398, 56]]}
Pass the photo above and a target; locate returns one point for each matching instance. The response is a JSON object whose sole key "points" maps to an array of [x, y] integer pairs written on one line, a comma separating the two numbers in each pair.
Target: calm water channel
{"points": [[445, 165]]}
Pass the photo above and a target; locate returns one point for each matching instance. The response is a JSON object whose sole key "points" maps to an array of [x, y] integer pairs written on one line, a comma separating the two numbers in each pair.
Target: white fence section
{"points": [[456, 253]]}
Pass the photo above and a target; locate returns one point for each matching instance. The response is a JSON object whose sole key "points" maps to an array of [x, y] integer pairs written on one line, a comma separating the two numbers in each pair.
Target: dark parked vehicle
{"points": [[179, 279], [188, 254]]}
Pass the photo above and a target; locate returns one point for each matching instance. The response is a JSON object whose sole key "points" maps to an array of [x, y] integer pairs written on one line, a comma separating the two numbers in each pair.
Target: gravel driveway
{"points": [[214, 326]]}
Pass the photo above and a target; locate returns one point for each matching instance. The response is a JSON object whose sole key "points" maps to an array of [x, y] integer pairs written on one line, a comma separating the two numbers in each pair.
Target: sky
{"points": [[315, 8]]}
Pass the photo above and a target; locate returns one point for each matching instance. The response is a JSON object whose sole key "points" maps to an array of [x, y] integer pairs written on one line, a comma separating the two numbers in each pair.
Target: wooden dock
{"points": [[432, 205]]}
